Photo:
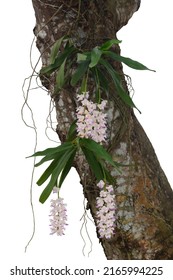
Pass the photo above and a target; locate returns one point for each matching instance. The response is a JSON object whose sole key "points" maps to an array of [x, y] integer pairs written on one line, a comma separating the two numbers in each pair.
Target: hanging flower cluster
{"points": [[91, 121], [105, 214], [58, 216]]}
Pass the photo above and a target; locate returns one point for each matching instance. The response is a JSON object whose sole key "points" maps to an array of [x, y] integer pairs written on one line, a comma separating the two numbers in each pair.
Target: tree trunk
{"points": [[143, 194]]}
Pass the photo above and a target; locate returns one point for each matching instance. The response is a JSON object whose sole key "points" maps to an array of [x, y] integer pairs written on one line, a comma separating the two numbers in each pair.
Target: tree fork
{"points": [[144, 196]]}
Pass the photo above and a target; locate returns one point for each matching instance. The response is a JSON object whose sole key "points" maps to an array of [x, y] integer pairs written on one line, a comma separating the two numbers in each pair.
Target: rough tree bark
{"points": [[144, 196]]}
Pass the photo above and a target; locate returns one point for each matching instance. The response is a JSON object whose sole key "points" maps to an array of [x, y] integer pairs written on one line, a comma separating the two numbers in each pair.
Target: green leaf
{"points": [[97, 95], [58, 61], [122, 93], [95, 57], [67, 168], [93, 163], [97, 92], [128, 61], [60, 77], [53, 150], [48, 171], [55, 174], [108, 44], [103, 81], [52, 153], [97, 166], [98, 150], [108, 176], [81, 57], [80, 71], [72, 132], [83, 87], [49, 157], [117, 82], [55, 50]]}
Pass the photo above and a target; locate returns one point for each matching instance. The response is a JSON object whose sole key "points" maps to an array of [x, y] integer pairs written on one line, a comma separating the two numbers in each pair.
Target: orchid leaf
{"points": [[128, 61], [52, 153], [98, 150], [67, 168], [117, 82], [80, 71], [58, 61], [95, 57], [53, 150], [108, 44], [60, 77], [72, 131], [55, 174], [93, 163], [81, 57], [48, 171], [55, 49]]}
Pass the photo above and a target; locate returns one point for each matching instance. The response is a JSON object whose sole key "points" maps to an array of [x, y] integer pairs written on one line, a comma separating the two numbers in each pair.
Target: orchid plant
{"points": [[88, 132]]}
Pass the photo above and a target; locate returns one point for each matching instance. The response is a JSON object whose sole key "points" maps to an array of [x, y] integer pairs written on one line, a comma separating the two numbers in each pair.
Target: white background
{"points": [[148, 39]]}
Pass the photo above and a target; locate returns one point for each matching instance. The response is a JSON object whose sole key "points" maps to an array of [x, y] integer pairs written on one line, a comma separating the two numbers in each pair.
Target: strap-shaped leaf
{"points": [[83, 87], [117, 82], [50, 157], [128, 61], [122, 93], [55, 174], [98, 150], [97, 94], [49, 151], [52, 153], [97, 166], [72, 131], [48, 171], [103, 81], [67, 168], [96, 54], [108, 176], [55, 49], [80, 72], [58, 61], [60, 77], [108, 44], [93, 163]]}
